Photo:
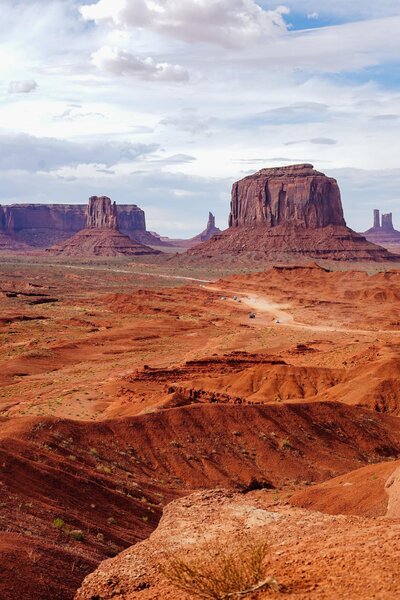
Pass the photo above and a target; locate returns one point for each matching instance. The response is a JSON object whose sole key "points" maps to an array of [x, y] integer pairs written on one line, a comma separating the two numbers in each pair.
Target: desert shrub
{"points": [[77, 534], [221, 571], [58, 523], [285, 444]]}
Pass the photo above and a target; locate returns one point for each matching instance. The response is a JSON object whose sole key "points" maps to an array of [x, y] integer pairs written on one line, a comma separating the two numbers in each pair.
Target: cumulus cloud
{"points": [[229, 23], [22, 87], [120, 62], [24, 152]]}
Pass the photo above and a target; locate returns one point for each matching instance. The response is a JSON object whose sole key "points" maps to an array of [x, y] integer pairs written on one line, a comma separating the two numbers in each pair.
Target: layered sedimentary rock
{"points": [[101, 213], [101, 236], [286, 212], [298, 195], [9, 244], [42, 225], [383, 232]]}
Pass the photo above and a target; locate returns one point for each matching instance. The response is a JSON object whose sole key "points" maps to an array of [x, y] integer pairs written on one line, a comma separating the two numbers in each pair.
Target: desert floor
{"points": [[126, 385]]}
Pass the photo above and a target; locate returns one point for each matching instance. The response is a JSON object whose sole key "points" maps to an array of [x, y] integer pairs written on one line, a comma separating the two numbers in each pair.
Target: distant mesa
{"points": [[101, 236], [286, 212], [383, 231], [44, 225]]}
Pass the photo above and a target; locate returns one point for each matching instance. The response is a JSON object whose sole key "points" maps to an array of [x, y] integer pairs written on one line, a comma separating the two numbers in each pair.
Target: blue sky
{"points": [[166, 103]]}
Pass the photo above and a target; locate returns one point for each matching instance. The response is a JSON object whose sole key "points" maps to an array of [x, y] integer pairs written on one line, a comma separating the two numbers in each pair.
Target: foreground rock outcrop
{"points": [[101, 236], [289, 212], [312, 555]]}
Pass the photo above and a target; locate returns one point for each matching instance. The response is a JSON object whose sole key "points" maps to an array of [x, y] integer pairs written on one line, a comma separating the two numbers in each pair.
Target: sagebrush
{"points": [[222, 571]]}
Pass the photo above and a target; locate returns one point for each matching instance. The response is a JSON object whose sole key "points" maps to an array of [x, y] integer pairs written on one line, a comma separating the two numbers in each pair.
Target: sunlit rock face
{"points": [[297, 195]]}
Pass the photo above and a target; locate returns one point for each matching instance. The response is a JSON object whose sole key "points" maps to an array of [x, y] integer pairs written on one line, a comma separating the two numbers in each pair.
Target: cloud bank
{"points": [[229, 23]]}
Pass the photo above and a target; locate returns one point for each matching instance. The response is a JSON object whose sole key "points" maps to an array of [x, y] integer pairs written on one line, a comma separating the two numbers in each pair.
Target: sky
{"points": [[165, 103]]}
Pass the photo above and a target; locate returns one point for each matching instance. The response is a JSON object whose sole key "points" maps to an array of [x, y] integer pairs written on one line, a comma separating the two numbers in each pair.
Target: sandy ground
{"points": [[125, 387]]}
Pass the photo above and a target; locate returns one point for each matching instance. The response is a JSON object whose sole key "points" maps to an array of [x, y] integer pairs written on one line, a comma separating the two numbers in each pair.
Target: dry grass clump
{"points": [[222, 571]]}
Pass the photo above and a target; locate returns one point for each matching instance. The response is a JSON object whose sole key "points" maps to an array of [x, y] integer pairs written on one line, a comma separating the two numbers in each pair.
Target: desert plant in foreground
{"points": [[222, 571]]}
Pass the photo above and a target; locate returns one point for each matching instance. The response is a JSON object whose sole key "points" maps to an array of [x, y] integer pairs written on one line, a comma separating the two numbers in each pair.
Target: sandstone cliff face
{"points": [[296, 195], [42, 225], [101, 213], [101, 236], [286, 213]]}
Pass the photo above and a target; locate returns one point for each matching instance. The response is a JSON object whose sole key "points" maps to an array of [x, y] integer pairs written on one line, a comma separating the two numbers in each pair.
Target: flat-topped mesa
{"points": [[101, 213], [284, 213], [296, 195]]}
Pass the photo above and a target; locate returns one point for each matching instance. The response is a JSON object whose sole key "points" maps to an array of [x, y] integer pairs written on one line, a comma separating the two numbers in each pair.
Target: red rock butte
{"points": [[383, 231], [290, 211], [101, 237], [101, 213]]}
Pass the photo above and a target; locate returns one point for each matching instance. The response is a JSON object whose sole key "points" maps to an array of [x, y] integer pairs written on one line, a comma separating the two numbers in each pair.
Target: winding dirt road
{"points": [[265, 308]]}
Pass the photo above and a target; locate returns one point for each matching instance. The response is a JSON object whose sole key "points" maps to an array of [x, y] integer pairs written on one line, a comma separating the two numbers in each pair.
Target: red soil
{"points": [[360, 492], [312, 555], [111, 479], [95, 357]]}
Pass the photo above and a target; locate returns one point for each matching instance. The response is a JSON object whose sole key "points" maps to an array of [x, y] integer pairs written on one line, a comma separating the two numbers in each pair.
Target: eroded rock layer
{"points": [[42, 225], [296, 195], [289, 212], [101, 236]]}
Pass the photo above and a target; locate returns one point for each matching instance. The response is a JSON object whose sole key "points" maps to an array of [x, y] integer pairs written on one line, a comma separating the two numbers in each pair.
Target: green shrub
{"points": [[58, 523]]}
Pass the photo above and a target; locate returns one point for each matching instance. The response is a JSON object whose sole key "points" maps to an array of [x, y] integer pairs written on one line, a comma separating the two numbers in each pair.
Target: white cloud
{"points": [[350, 9], [120, 62], [229, 23], [22, 87], [28, 153]]}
